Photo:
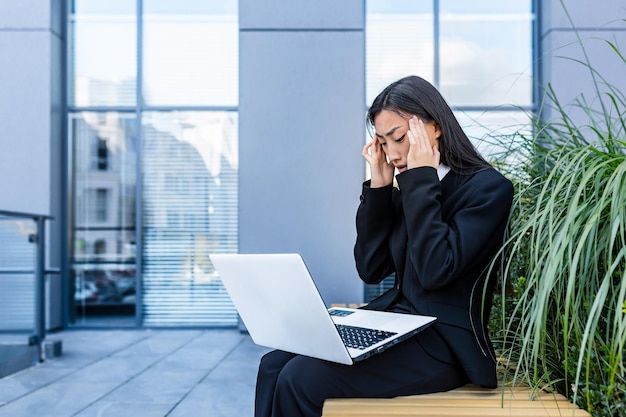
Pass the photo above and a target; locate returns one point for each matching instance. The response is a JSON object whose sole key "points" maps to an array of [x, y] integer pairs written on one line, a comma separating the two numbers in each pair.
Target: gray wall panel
{"points": [[25, 120], [301, 14], [17, 14], [571, 78], [31, 121], [301, 116]]}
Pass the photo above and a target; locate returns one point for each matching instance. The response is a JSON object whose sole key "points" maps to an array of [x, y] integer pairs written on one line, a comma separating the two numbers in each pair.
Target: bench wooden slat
{"points": [[496, 395], [453, 412], [457, 403]]}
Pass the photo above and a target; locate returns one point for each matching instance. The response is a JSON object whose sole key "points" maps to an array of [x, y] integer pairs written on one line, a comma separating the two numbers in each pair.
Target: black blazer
{"points": [[438, 238]]}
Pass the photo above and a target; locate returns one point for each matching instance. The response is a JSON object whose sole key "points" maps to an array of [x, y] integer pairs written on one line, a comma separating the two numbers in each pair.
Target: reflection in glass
{"points": [[104, 53], [104, 184], [494, 133], [399, 42], [190, 166], [190, 53], [486, 52]]}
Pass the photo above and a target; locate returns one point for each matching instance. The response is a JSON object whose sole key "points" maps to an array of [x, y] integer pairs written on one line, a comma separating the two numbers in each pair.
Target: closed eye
{"points": [[400, 139]]}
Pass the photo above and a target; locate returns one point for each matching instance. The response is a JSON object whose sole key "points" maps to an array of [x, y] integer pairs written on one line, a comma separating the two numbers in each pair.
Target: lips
{"points": [[401, 168]]}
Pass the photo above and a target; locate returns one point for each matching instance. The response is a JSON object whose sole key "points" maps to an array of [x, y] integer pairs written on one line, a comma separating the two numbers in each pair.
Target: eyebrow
{"points": [[389, 133]]}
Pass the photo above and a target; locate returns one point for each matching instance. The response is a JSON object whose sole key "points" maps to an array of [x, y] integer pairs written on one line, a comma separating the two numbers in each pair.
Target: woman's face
{"points": [[391, 131]]}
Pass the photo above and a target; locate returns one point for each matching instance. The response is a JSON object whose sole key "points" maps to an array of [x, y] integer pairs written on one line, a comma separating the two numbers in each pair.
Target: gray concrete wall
{"points": [[31, 118], [579, 31], [301, 131]]}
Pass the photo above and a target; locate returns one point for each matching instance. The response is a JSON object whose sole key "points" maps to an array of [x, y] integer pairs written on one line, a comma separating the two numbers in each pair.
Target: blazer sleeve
{"points": [[374, 223], [442, 251]]}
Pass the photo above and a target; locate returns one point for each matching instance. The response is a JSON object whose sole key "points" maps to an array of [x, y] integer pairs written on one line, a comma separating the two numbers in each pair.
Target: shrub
{"points": [[560, 315]]}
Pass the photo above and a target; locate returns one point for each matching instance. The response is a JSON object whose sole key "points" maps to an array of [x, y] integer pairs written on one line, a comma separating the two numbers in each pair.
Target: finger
{"points": [[419, 134], [373, 147], [366, 147], [368, 153], [412, 133], [423, 135], [366, 150], [436, 156], [380, 151]]}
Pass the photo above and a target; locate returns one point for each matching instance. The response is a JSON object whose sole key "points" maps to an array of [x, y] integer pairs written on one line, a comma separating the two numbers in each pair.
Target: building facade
{"points": [[238, 127]]}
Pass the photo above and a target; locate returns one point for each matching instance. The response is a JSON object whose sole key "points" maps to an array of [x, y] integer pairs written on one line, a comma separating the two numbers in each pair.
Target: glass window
{"points": [[486, 52], [190, 166], [104, 53], [477, 53], [400, 42], [103, 259], [102, 155], [190, 53], [493, 132], [175, 54]]}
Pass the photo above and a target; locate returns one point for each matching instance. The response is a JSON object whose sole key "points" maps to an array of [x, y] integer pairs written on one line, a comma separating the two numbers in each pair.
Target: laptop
{"points": [[281, 308]]}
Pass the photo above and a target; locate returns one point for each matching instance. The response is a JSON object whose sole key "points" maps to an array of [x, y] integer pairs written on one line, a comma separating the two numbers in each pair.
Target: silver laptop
{"points": [[281, 308]]}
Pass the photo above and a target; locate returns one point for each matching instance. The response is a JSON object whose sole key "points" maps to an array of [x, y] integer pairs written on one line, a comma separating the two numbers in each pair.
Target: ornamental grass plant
{"points": [[559, 317]]}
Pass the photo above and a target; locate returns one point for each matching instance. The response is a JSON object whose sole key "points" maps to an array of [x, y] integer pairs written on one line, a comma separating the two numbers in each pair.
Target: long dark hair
{"points": [[415, 96]]}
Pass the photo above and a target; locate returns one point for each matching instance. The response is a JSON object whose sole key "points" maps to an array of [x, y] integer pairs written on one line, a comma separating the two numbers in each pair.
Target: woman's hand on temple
{"points": [[382, 171], [421, 152]]}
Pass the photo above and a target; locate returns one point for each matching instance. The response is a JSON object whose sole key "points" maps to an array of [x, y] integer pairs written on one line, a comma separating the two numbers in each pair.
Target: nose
{"points": [[393, 152]]}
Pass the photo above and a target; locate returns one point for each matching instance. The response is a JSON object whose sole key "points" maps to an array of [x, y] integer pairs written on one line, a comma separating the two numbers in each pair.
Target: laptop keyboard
{"points": [[361, 337], [339, 313]]}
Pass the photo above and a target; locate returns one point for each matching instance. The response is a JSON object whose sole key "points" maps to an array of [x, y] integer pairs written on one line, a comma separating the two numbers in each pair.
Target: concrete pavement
{"points": [[139, 373]]}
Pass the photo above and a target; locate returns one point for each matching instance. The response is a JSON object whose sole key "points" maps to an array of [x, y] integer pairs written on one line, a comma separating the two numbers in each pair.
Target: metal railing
{"points": [[40, 271]]}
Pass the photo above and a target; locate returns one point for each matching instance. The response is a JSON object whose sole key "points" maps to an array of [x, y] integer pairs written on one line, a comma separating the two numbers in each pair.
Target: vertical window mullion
{"points": [[139, 168], [436, 43]]}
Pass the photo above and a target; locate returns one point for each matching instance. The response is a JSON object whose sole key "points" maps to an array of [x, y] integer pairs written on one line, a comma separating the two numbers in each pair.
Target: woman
{"points": [[438, 232]]}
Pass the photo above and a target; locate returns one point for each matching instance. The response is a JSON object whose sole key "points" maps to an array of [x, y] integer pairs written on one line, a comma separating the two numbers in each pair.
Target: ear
{"points": [[437, 130]]}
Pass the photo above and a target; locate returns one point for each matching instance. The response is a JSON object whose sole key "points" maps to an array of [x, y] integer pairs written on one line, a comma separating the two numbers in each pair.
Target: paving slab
{"points": [[229, 390], [139, 373]]}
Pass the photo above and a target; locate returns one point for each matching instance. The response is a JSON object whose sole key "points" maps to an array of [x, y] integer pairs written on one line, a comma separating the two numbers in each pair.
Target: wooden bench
{"points": [[517, 401], [465, 401]]}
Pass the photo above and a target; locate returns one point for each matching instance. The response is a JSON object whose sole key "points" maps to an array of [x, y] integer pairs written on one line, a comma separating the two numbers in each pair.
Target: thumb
{"points": [[436, 156]]}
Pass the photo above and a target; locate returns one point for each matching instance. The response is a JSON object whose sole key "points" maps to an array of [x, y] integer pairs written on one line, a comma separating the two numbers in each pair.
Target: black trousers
{"points": [[291, 385]]}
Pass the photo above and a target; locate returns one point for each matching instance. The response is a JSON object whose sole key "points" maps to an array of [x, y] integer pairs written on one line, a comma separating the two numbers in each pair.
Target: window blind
{"points": [[190, 211], [17, 276], [397, 45]]}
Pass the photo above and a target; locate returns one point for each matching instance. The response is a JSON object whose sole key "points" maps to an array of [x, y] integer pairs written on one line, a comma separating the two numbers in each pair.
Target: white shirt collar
{"points": [[442, 170]]}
